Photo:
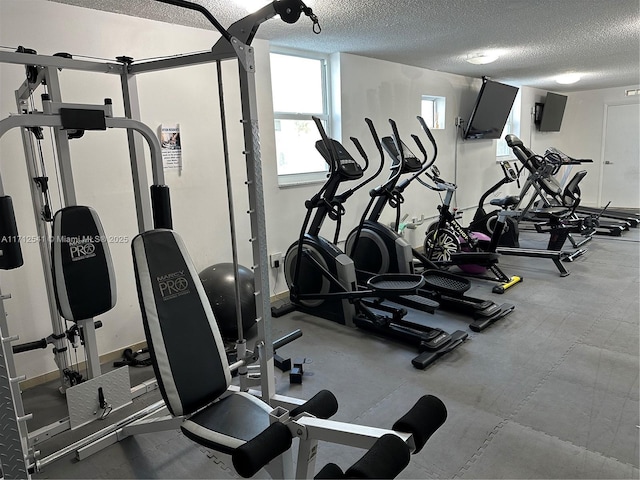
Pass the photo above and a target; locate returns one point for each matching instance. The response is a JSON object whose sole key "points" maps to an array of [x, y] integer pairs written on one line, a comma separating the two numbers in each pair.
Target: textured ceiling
{"points": [[538, 39]]}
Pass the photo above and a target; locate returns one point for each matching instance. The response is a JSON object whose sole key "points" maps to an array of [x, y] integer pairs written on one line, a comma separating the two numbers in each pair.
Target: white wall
{"points": [[362, 87]]}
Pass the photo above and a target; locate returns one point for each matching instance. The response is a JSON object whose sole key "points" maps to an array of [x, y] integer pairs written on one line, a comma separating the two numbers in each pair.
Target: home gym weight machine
{"points": [[66, 120], [44, 70], [234, 45]]}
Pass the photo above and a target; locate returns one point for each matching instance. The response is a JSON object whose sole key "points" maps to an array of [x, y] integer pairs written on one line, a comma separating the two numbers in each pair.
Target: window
{"points": [[512, 126], [300, 91], [433, 109]]}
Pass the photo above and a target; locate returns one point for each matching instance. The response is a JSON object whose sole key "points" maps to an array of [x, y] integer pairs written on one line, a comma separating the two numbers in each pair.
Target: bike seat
{"points": [[505, 201]]}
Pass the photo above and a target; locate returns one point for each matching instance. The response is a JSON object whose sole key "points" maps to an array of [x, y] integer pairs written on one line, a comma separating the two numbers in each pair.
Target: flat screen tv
{"points": [[491, 110], [552, 113]]}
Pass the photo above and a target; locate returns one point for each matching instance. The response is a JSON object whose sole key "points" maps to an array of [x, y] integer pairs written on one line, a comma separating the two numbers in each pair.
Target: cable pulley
{"points": [[290, 11]]}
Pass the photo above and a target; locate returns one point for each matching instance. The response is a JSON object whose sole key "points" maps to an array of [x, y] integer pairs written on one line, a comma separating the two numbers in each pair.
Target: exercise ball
{"points": [[219, 285]]}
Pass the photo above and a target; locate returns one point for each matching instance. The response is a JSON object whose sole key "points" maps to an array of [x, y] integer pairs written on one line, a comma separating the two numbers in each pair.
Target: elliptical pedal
{"points": [[434, 342], [428, 356], [418, 302], [445, 282], [481, 323]]}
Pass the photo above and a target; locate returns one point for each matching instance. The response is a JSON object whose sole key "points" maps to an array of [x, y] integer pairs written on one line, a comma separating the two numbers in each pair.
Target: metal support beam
{"points": [[60, 62], [12, 458], [42, 231], [136, 155], [61, 142], [258, 220]]}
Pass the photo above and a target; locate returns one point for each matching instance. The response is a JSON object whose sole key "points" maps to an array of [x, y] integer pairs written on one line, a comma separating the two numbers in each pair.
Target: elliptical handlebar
{"points": [[426, 164], [396, 138], [372, 129], [426, 130], [397, 161], [333, 155], [361, 151], [358, 145]]}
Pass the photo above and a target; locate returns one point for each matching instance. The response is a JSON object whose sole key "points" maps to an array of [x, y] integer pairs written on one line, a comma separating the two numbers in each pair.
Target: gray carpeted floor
{"points": [[551, 391]]}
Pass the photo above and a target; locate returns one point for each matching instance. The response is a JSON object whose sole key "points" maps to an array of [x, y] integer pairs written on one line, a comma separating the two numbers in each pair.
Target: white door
{"points": [[621, 160]]}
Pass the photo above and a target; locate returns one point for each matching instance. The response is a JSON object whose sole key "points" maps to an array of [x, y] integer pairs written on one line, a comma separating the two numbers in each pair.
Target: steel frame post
{"points": [[12, 441], [246, 70], [136, 154], [43, 235]]}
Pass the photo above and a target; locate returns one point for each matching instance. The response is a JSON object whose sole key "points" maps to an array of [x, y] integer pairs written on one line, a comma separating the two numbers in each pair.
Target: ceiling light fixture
{"points": [[482, 58], [568, 78]]}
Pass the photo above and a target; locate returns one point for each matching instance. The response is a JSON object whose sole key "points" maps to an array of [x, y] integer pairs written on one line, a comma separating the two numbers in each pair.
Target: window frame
{"points": [[439, 104], [292, 179], [515, 119]]}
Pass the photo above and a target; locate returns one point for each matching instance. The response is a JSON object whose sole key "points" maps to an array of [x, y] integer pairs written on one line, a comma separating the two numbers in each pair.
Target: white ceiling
{"points": [[538, 39]]}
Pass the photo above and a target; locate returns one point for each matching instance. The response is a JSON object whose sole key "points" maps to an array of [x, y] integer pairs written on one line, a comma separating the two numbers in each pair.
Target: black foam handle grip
{"points": [[403, 185], [385, 459], [9, 240], [424, 418], [258, 452], [161, 205], [25, 347], [322, 405]]}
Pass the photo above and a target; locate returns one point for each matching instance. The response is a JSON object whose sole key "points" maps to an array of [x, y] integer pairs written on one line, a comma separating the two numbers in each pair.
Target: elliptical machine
{"points": [[377, 249], [322, 279], [447, 242]]}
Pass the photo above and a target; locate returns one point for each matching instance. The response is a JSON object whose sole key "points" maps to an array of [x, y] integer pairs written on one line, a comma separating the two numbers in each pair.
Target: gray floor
{"points": [[551, 391]]}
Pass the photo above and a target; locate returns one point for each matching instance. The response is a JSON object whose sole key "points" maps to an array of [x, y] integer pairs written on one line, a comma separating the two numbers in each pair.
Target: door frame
{"points": [[634, 101]]}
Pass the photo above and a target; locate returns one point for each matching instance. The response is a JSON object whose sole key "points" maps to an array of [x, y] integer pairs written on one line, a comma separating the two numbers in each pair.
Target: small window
{"points": [[512, 126], [433, 109], [300, 91]]}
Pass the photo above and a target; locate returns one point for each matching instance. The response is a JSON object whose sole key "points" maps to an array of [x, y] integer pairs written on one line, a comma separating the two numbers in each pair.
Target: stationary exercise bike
{"points": [[378, 249], [322, 279], [485, 222], [447, 242]]}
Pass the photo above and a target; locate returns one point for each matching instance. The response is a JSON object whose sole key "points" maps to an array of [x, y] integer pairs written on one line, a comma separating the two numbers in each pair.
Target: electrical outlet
{"points": [[275, 260]]}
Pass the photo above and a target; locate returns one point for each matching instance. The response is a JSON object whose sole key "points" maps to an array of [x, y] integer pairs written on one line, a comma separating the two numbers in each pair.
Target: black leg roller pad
{"points": [[424, 418], [259, 451], [322, 405], [385, 459]]}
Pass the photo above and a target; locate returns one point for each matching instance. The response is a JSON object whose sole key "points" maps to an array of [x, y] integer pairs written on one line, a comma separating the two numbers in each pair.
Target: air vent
{"points": [[631, 92]]}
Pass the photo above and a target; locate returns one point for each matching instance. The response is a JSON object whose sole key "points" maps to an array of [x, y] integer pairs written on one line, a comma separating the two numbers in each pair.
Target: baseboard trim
{"points": [[280, 296]]}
